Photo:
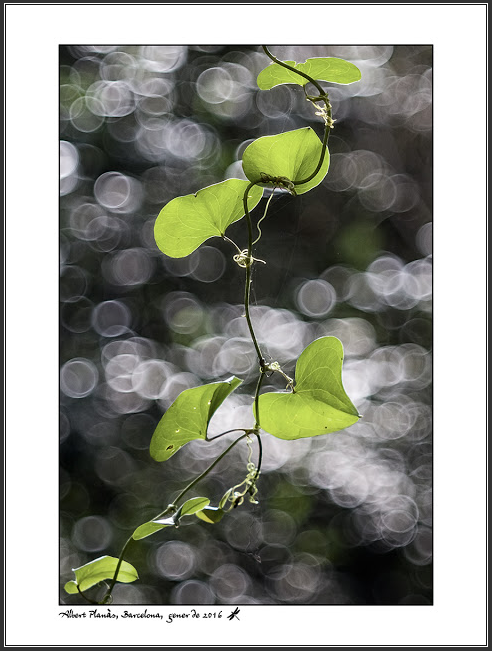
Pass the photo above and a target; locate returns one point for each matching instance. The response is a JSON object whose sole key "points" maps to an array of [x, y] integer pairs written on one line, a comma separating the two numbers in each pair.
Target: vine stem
{"points": [[322, 96], [212, 465], [172, 507], [255, 431], [115, 576], [247, 287], [86, 598], [299, 72], [250, 260], [257, 396]]}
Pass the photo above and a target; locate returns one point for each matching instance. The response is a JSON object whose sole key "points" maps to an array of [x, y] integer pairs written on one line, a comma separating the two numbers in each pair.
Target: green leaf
{"points": [[211, 514], [186, 222], [319, 404], [188, 417], [293, 154], [98, 570], [329, 69], [192, 506], [149, 528]]}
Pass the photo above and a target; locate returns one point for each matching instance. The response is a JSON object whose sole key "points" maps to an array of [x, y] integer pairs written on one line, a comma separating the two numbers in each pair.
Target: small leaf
{"points": [[188, 417], [211, 514], [194, 505], [190, 507], [186, 222], [98, 570], [319, 404], [329, 69], [147, 529], [293, 154]]}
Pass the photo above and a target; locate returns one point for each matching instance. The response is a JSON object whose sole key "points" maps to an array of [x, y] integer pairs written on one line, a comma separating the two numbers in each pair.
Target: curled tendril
{"points": [[275, 367], [237, 493], [244, 260]]}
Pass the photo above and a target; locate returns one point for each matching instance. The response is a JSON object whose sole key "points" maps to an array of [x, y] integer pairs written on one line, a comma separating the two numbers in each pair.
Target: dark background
{"points": [[343, 518]]}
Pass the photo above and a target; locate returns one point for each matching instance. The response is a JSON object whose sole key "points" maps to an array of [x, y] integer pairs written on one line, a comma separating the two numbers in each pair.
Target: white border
{"points": [[458, 34]]}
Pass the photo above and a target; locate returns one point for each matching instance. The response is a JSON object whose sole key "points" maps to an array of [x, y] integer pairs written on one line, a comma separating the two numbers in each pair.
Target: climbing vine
{"points": [[314, 402]]}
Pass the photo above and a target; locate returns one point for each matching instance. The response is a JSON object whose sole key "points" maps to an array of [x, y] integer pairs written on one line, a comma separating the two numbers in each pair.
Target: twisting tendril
{"points": [[243, 259], [237, 493]]}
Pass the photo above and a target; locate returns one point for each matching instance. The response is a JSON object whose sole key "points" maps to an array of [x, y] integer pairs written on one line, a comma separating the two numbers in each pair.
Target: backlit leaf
{"points": [[186, 222], [193, 505], [293, 154], [100, 569], [319, 404], [329, 69], [211, 514], [188, 417], [147, 529]]}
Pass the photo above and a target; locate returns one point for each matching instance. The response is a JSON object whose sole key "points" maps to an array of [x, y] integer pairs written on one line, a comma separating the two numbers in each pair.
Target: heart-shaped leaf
{"points": [[98, 570], [293, 155], [319, 404], [186, 222], [188, 417], [329, 69]]}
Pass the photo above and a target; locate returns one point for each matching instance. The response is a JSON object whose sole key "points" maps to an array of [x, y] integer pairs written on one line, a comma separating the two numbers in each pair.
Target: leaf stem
{"points": [[236, 429], [227, 239]]}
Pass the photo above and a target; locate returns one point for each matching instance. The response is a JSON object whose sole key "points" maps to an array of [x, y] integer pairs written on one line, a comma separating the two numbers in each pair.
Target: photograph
{"points": [[246, 324]]}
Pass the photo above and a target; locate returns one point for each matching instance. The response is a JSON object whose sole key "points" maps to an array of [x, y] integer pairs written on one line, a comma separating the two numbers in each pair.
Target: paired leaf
{"points": [[211, 514], [329, 69], [190, 507], [293, 154], [186, 222], [147, 529], [319, 404], [98, 570], [188, 417]]}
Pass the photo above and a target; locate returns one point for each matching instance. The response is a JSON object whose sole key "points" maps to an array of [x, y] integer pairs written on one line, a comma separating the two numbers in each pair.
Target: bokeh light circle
{"points": [[111, 318], [316, 298], [175, 560], [92, 533], [78, 377]]}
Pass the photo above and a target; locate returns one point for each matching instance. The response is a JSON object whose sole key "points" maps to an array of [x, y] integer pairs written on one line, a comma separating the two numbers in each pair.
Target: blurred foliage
{"points": [[343, 519]]}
